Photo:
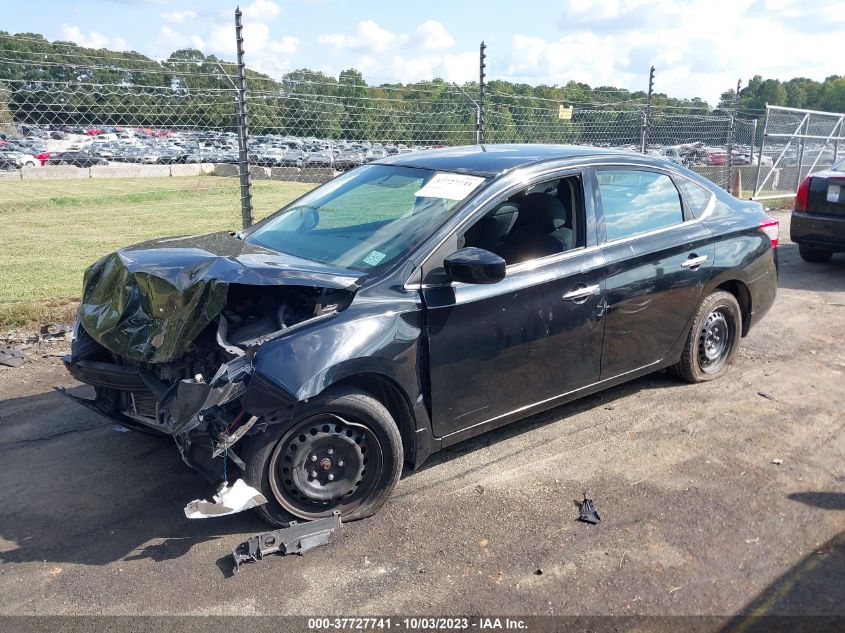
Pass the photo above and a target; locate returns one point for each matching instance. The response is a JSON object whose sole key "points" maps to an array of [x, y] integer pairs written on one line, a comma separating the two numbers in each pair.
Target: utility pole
{"points": [[243, 135], [647, 115], [481, 76]]}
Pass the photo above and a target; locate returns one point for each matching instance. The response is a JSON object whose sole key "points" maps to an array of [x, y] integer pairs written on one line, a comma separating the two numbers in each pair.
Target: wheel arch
{"points": [[743, 296], [389, 393]]}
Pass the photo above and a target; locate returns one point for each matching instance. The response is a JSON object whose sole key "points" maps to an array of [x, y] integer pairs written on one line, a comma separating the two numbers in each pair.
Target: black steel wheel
{"points": [[341, 451], [713, 340], [324, 461]]}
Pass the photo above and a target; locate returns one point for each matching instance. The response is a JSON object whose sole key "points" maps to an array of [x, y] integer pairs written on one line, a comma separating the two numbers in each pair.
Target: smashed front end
{"points": [[167, 332]]}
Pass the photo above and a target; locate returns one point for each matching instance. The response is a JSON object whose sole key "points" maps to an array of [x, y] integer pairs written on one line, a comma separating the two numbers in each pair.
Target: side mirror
{"points": [[474, 266]]}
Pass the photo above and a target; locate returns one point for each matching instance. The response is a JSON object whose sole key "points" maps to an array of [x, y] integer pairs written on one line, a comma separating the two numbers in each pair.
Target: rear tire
{"points": [[713, 339], [341, 452], [814, 255]]}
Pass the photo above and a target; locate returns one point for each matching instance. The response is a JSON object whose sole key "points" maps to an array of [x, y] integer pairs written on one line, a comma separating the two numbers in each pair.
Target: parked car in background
{"points": [[818, 219], [415, 302], [319, 158], [349, 158], [19, 159], [77, 159]]}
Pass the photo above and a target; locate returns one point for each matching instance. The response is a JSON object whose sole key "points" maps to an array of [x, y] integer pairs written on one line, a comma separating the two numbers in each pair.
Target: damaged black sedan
{"points": [[414, 302]]}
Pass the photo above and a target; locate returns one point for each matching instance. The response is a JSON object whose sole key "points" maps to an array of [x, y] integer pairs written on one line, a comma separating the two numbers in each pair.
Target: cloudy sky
{"points": [[700, 47]]}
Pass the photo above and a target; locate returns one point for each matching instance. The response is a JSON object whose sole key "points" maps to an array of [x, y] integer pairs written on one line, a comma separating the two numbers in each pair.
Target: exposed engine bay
{"points": [[167, 332], [196, 397]]}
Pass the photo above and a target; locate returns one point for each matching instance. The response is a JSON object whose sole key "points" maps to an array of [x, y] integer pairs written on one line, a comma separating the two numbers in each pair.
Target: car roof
{"points": [[494, 160]]}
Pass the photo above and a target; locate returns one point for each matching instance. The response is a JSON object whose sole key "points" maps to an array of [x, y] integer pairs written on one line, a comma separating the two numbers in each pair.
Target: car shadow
{"points": [[79, 489], [796, 274], [602, 399]]}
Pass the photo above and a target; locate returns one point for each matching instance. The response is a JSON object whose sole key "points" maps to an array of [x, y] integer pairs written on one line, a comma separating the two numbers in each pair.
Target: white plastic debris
{"points": [[228, 500], [777, 461]]}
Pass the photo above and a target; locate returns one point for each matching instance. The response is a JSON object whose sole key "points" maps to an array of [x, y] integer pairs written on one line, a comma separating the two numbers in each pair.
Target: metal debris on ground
{"points": [[228, 500], [587, 510], [777, 462], [296, 538], [11, 357], [54, 331]]}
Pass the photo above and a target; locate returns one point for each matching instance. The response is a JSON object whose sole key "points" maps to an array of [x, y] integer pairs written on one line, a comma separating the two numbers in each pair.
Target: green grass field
{"points": [[53, 229]]}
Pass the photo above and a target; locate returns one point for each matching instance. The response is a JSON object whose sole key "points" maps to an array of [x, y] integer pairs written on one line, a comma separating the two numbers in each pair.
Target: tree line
{"points": [[61, 83]]}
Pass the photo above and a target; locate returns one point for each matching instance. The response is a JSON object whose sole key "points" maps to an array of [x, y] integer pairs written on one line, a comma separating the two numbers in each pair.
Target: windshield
{"points": [[367, 217]]}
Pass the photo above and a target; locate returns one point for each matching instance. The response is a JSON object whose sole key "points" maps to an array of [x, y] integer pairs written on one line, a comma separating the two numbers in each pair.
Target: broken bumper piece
{"points": [[296, 538], [228, 500]]}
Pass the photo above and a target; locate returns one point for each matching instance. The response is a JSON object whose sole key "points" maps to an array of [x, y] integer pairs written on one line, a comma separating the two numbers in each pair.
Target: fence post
{"points": [[729, 159], [243, 134], [647, 115], [801, 153], [479, 126], [760, 152], [753, 140]]}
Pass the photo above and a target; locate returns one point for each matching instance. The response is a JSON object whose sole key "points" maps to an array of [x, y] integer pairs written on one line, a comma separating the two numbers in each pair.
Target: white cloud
{"points": [[178, 17], [73, 33], [263, 10], [263, 53], [696, 50], [169, 40], [431, 34], [368, 37]]}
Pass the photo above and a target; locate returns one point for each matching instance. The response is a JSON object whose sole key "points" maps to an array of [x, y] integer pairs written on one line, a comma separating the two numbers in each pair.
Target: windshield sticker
{"points": [[374, 258], [449, 186]]}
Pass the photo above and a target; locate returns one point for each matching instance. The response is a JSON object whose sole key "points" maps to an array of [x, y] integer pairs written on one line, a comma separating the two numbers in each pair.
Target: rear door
{"points": [[658, 258]]}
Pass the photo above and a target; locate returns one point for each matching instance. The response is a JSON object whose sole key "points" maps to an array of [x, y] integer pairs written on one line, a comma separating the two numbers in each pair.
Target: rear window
{"points": [[840, 166], [697, 196], [636, 201]]}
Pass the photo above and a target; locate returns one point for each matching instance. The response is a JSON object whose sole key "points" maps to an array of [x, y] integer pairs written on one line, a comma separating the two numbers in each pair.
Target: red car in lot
{"points": [[717, 158]]}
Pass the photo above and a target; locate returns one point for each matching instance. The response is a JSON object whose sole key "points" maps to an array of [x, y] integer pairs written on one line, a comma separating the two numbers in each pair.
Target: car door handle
{"points": [[694, 262], [582, 292]]}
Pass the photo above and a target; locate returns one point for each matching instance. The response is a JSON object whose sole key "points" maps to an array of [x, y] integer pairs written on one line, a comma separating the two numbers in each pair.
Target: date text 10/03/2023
{"points": [[417, 623]]}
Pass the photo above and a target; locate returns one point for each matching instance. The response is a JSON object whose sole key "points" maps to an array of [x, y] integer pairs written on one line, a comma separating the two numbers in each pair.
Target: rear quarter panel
{"points": [[744, 253]]}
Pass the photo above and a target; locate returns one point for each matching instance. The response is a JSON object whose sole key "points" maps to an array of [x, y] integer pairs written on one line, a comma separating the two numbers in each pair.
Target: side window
{"points": [[696, 195], [543, 219], [636, 201]]}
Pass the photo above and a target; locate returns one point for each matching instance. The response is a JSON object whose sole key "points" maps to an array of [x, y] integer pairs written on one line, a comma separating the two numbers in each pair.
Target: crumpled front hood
{"points": [[149, 301]]}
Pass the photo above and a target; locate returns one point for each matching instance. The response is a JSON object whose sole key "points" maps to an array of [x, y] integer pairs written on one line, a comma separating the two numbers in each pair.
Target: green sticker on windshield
{"points": [[374, 258]]}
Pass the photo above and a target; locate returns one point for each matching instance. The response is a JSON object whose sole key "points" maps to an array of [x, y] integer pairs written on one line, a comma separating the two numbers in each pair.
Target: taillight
{"points": [[803, 194], [771, 227]]}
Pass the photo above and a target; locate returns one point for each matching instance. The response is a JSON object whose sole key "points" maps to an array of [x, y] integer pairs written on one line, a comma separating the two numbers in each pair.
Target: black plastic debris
{"points": [[587, 510], [10, 356], [296, 538]]}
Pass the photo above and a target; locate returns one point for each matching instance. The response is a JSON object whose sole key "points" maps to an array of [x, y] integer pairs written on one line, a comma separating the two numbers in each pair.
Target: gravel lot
{"points": [[697, 519]]}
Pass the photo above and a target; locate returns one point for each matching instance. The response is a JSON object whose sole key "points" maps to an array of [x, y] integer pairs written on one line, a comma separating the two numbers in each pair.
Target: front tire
{"points": [[814, 255], [713, 339], [341, 452]]}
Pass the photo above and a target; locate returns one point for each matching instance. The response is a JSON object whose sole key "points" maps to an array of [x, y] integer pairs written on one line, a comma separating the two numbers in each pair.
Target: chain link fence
{"points": [[102, 149], [795, 143]]}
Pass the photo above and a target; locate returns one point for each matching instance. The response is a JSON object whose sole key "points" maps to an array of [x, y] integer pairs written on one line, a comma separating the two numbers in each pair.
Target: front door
{"points": [[495, 349]]}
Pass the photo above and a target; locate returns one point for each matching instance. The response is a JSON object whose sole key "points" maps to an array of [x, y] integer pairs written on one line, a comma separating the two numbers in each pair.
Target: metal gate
{"points": [[795, 143]]}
